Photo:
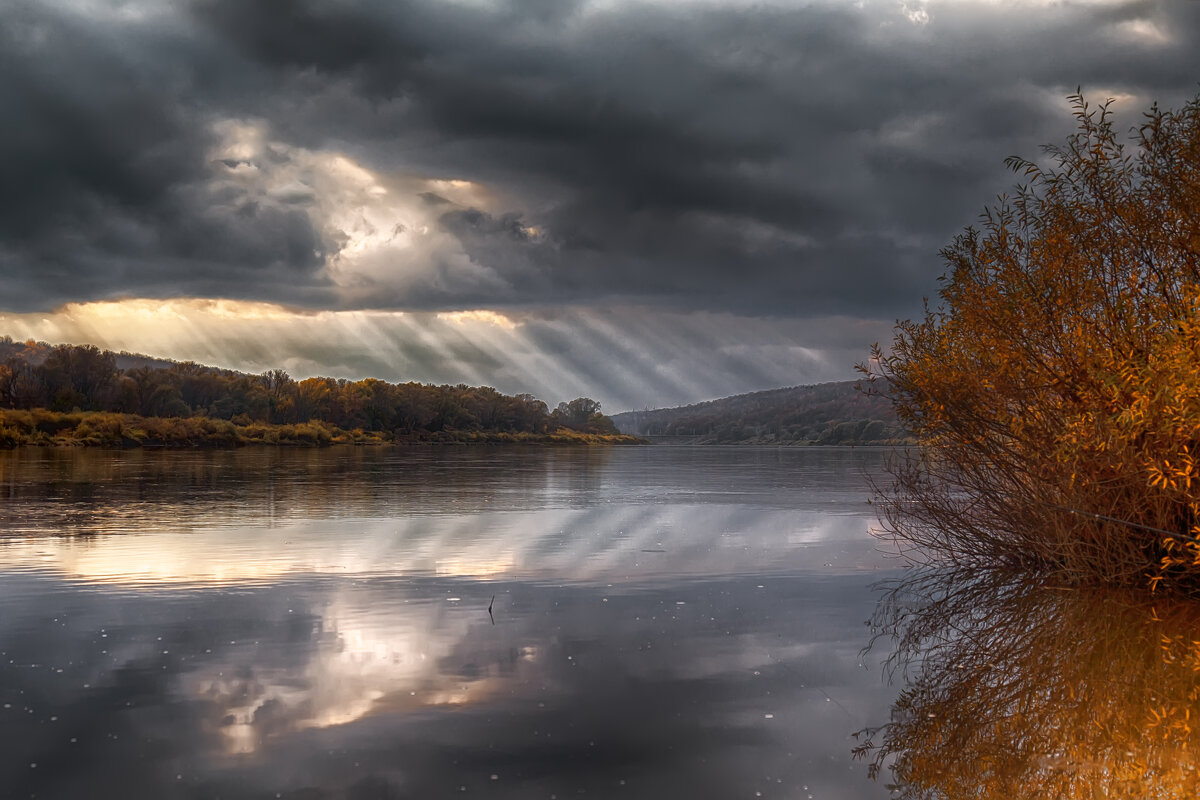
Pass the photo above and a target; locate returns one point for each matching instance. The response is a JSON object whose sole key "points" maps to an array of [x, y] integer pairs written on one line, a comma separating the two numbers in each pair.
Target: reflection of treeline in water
{"points": [[77, 490], [1017, 690], [824, 414], [79, 394], [1055, 389]]}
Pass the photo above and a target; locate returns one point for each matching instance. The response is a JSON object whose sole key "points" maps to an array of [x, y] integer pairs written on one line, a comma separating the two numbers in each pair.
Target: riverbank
{"points": [[42, 428]]}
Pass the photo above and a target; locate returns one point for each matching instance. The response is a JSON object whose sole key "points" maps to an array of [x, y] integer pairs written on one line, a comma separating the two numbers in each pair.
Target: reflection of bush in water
{"points": [[1018, 690]]}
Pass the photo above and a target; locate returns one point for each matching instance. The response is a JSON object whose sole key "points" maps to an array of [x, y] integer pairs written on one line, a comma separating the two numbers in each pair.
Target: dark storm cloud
{"points": [[759, 159], [105, 184]]}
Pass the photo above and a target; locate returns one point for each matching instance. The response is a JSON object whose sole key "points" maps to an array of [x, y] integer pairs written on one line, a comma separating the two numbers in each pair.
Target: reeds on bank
{"points": [[41, 427]]}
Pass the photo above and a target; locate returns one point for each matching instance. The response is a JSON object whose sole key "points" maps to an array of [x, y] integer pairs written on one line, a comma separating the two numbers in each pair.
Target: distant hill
{"points": [[824, 414]]}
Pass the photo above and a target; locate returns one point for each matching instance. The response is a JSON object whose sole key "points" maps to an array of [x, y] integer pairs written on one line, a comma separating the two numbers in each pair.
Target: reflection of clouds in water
{"points": [[381, 652], [282, 688], [599, 544], [378, 655], [360, 655]]}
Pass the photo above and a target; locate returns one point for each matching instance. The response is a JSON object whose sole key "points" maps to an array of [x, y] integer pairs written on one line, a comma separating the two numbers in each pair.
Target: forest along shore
{"points": [[81, 395]]}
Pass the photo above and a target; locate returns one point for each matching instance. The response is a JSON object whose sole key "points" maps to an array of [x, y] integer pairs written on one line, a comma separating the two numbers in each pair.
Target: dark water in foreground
{"points": [[667, 622]]}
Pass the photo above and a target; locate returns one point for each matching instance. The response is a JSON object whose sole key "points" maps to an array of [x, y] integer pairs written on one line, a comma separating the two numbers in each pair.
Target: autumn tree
{"points": [[79, 376], [529, 414], [1055, 389], [582, 414]]}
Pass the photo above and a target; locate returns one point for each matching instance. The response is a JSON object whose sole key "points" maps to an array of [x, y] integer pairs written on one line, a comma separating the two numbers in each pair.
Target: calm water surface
{"points": [[666, 622]]}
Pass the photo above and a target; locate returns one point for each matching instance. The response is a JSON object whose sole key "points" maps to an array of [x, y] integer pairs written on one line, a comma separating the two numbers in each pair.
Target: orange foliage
{"points": [[1055, 391]]}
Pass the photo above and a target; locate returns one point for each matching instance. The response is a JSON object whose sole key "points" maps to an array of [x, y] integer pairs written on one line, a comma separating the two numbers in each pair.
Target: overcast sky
{"points": [[648, 203]]}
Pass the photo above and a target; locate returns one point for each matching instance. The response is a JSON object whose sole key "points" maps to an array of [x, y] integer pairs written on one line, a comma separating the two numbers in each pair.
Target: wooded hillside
{"points": [[824, 414], [69, 380]]}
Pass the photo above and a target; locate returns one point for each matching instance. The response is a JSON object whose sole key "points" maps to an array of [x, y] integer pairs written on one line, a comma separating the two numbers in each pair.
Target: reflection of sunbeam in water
{"points": [[597, 545]]}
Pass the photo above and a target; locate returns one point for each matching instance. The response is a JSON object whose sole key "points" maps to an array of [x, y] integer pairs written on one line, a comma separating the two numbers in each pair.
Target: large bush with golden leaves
{"points": [[1055, 389]]}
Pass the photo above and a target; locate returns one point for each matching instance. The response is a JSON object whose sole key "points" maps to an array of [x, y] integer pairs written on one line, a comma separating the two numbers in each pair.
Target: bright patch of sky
{"points": [[647, 202]]}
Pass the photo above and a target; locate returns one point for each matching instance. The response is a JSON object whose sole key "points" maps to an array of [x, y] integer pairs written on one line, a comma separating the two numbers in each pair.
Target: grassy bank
{"points": [[44, 428]]}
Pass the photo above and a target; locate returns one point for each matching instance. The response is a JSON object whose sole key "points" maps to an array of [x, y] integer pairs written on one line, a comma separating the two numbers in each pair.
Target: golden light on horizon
{"points": [[478, 315], [625, 357]]}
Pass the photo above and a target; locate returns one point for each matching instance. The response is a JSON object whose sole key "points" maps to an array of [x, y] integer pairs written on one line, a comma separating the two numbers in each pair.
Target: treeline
{"points": [[824, 414], [71, 379]]}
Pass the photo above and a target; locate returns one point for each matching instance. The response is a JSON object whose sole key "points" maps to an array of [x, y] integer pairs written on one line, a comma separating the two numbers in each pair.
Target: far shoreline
{"points": [[41, 428]]}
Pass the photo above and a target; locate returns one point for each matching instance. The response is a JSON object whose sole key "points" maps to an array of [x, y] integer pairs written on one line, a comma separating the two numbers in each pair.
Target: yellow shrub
{"points": [[1055, 391]]}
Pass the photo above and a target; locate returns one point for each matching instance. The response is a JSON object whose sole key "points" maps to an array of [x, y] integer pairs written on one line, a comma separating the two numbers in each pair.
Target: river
{"points": [[438, 621]]}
